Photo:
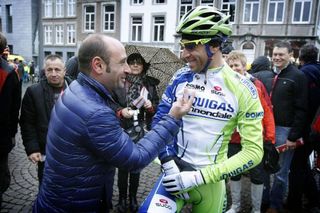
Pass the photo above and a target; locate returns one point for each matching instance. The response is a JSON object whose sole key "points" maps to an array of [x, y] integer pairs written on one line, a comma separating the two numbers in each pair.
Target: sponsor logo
{"points": [[217, 91], [224, 115], [212, 104], [196, 87], [163, 203], [250, 86], [166, 98], [254, 115], [238, 170]]}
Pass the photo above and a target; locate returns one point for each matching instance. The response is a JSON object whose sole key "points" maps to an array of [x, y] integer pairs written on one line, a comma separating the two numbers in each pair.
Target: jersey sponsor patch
{"points": [[163, 204], [167, 99], [254, 115], [250, 86]]}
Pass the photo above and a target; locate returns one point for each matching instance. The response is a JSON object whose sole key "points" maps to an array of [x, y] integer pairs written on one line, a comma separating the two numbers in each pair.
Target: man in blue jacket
{"points": [[85, 141]]}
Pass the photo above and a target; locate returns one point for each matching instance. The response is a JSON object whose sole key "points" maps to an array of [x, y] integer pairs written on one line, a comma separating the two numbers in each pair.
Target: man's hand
{"points": [[182, 182], [291, 145], [35, 157], [183, 105], [127, 112]]}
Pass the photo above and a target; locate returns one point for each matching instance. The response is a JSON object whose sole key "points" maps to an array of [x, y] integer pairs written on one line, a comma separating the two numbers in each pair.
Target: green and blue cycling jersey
{"points": [[224, 100]]}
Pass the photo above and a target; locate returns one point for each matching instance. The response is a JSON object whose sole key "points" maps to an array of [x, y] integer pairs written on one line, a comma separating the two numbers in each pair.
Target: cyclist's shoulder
{"points": [[181, 75]]}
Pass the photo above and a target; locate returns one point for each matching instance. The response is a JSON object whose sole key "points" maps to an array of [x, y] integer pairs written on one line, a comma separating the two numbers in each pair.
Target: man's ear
{"points": [[98, 65]]}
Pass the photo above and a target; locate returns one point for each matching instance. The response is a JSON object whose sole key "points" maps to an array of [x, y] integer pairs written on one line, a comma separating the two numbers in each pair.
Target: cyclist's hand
{"points": [[170, 168], [183, 181], [183, 105]]}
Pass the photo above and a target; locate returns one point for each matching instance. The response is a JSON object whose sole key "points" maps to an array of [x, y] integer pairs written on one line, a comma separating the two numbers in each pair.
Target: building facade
{"points": [[59, 28], [19, 21]]}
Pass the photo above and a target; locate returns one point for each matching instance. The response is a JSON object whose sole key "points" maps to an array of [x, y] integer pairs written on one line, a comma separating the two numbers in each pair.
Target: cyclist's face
{"points": [[196, 57], [237, 66]]}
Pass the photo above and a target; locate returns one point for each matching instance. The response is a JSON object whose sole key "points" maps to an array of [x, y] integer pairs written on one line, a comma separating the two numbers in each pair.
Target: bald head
{"points": [[95, 45]]}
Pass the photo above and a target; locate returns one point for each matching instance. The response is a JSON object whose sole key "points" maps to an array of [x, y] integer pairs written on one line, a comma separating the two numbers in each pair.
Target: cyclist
{"points": [[196, 165]]}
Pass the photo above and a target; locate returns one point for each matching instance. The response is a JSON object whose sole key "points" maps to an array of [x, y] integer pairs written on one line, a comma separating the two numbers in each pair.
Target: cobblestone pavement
{"points": [[24, 184]]}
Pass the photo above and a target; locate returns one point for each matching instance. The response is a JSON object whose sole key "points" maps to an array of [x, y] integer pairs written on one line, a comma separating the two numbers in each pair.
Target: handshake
{"points": [[179, 183]]}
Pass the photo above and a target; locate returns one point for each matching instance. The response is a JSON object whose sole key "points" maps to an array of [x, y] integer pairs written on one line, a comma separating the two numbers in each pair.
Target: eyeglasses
{"points": [[190, 45]]}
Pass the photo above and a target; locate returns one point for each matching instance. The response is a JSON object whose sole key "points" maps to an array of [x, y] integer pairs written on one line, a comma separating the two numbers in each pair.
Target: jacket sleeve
{"points": [[109, 141], [163, 108], [16, 102], [300, 106], [268, 118], [28, 123]]}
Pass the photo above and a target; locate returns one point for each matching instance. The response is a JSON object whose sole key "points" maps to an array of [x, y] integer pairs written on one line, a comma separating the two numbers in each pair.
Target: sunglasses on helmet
{"points": [[190, 45]]}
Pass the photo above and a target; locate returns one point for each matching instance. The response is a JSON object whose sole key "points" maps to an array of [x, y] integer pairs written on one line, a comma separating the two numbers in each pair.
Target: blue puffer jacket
{"points": [[84, 144]]}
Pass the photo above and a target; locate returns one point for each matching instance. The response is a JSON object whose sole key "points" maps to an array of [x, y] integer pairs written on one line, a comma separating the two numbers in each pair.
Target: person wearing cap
{"points": [[196, 165], [138, 102]]}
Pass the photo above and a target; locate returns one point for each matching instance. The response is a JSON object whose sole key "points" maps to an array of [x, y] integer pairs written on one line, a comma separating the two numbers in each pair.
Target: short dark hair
{"points": [[92, 46], [3, 42], [52, 57], [284, 44], [308, 53]]}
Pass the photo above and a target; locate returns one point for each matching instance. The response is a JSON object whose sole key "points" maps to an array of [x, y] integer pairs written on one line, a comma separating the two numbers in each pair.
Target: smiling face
{"points": [[196, 57], [281, 57], [54, 71], [237, 66], [115, 73]]}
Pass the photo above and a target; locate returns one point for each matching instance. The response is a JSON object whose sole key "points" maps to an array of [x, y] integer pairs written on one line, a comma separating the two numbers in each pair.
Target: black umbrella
{"points": [[163, 63]]}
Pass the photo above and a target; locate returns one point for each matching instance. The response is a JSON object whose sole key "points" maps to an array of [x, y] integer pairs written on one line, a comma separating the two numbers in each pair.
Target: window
{"points": [[46, 53], [9, 18], [69, 55], [229, 7], [71, 34], [158, 28], [302, 11], [207, 2], [109, 17], [185, 6], [136, 2], [59, 34], [159, 1], [136, 28], [59, 53], [275, 11], [47, 34], [89, 16], [59, 8], [251, 11], [47, 8], [71, 8]]}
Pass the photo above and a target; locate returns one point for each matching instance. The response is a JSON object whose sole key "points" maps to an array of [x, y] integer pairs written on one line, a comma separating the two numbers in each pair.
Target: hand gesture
{"points": [[35, 157], [183, 105]]}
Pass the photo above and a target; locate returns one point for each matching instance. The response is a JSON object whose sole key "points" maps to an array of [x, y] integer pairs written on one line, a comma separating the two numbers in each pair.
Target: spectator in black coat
{"points": [[10, 98], [37, 104], [301, 180]]}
